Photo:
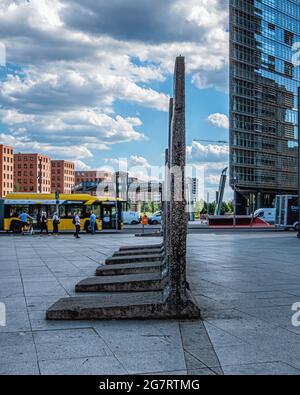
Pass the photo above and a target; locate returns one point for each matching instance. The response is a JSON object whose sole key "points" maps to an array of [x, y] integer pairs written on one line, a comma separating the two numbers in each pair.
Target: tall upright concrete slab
{"points": [[179, 297], [167, 180], [173, 299]]}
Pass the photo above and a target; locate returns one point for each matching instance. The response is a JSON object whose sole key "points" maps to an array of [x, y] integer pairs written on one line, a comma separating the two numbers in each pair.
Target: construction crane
{"points": [[223, 178], [221, 191], [211, 141]]}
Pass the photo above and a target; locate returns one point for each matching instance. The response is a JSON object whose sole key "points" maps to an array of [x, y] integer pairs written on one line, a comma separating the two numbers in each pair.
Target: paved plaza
{"points": [[245, 284]]}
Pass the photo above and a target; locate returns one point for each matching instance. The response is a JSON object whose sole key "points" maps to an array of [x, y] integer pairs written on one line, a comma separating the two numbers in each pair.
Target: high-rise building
{"points": [[32, 173], [193, 195], [62, 176], [6, 170], [263, 100]]}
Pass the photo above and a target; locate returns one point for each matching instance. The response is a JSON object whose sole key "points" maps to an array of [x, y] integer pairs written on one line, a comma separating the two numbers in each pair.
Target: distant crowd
{"points": [[42, 220]]}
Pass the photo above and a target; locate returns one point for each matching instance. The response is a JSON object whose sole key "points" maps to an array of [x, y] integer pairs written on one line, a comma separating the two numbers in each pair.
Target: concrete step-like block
{"points": [[117, 260], [108, 306], [129, 268], [139, 252], [124, 283], [142, 247], [136, 305]]}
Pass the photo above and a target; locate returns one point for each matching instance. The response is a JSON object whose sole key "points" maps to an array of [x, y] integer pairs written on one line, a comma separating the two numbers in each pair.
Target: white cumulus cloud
{"points": [[77, 59], [219, 120]]}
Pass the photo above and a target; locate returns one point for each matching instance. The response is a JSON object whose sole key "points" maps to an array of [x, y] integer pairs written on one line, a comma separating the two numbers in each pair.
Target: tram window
{"points": [[15, 210], [62, 211], [96, 210], [71, 209]]}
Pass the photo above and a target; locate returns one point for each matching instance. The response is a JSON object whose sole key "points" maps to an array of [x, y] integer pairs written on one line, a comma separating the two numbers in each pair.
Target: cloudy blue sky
{"points": [[90, 81]]}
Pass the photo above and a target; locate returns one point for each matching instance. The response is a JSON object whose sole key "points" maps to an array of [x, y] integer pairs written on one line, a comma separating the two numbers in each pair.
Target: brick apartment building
{"points": [[6, 170], [92, 176], [32, 173], [62, 176]]}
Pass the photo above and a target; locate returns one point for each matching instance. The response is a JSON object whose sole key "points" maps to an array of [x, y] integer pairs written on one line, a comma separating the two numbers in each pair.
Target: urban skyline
{"points": [[149, 190], [93, 98]]}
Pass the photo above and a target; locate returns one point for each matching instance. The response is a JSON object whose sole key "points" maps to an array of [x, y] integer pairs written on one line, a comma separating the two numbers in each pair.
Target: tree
{"points": [[230, 207], [212, 208]]}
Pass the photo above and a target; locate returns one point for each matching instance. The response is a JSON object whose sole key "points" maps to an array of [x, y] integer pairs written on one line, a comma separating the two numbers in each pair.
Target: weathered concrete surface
{"points": [[177, 229], [129, 268], [123, 283], [106, 306], [151, 251], [142, 247], [116, 260], [149, 234], [168, 181], [140, 305]]}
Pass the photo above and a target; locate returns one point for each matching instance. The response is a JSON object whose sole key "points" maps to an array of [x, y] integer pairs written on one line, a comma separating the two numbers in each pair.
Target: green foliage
{"points": [[230, 207], [201, 208], [150, 207]]}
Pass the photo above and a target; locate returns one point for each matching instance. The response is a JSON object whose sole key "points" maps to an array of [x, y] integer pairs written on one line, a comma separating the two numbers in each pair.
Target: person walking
{"points": [[24, 216], [76, 222], [93, 222], [55, 222], [145, 221], [44, 222]]}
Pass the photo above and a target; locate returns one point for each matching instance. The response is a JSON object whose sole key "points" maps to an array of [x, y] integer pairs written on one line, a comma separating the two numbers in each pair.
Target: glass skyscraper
{"points": [[264, 80]]}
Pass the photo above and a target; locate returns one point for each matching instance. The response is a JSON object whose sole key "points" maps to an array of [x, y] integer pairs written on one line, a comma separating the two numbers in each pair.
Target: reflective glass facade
{"points": [[264, 80]]}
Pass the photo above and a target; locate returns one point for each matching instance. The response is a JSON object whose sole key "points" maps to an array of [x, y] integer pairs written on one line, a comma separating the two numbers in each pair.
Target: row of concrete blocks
{"points": [[133, 284], [129, 271]]}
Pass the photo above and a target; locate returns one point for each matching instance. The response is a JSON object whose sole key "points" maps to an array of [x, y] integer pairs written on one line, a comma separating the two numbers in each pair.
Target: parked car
{"points": [[131, 217], [155, 219]]}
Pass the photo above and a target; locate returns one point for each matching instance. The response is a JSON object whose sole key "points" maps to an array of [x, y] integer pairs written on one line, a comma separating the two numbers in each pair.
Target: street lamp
{"points": [[234, 182]]}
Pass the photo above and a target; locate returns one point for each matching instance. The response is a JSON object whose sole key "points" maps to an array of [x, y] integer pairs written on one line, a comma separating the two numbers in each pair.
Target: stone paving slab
{"points": [[264, 369], [247, 326], [105, 365]]}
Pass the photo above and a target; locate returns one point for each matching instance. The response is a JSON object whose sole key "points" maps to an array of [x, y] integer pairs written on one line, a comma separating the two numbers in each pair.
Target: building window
{"points": [[271, 26], [288, 38], [288, 69]]}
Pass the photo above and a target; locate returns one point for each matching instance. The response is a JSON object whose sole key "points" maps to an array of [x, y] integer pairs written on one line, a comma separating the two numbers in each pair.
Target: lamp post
{"points": [[235, 180], [57, 202]]}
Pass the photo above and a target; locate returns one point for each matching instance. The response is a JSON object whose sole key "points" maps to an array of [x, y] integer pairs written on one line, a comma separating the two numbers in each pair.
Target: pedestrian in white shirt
{"points": [[55, 222], [76, 222]]}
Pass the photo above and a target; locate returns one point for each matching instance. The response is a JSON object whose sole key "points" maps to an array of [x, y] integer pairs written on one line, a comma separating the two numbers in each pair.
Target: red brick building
{"points": [[32, 173], [92, 176], [6, 170], [62, 176]]}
